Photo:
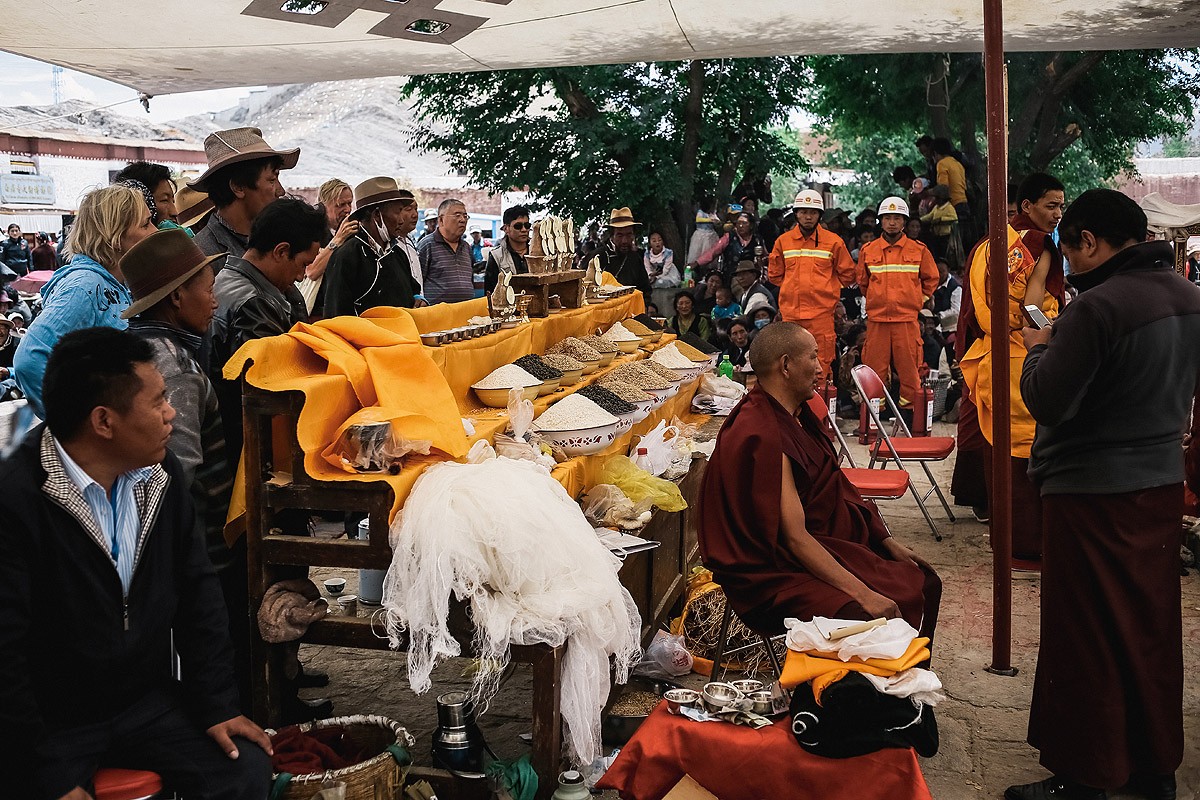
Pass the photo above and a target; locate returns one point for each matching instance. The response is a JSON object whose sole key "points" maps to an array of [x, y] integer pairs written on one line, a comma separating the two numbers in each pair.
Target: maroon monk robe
{"points": [[1108, 694], [742, 538]]}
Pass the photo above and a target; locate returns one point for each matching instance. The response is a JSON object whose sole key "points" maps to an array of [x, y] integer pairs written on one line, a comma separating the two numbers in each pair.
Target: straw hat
{"points": [[234, 146], [158, 265], [375, 191], [191, 206], [621, 218]]}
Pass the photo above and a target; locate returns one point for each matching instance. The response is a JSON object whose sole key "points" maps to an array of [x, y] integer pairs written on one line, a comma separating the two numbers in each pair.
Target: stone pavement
{"points": [[982, 722]]}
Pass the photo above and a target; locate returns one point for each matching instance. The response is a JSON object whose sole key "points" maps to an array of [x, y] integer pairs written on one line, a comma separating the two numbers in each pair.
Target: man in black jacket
{"points": [[100, 570], [1110, 386], [368, 270], [257, 297]]}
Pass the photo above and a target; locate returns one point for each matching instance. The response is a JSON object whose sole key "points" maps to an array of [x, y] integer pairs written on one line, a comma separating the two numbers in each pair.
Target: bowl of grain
{"points": [[577, 425], [548, 386], [492, 390], [572, 370], [630, 709]]}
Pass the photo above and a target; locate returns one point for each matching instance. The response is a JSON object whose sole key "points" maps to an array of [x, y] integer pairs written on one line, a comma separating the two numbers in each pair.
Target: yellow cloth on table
{"points": [[977, 363], [373, 368], [608, 279], [353, 370], [824, 669]]}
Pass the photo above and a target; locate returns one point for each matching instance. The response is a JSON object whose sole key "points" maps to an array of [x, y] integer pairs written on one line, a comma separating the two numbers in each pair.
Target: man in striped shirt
{"points": [[810, 264], [897, 275], [446, 264]]}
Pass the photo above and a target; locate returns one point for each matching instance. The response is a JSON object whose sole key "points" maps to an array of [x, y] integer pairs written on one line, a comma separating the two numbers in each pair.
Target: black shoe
{"points": [[296, 710], [1154, 787], [311, 679], [981, 514], [1053, 789]]}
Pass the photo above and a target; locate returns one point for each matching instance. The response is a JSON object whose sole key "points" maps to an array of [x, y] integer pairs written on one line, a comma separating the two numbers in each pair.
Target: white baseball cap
{"points": [[809, 198], [893, 205]]}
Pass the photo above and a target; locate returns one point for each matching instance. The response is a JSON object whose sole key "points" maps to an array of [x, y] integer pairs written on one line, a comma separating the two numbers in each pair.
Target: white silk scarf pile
{"points": [[507, 538]]}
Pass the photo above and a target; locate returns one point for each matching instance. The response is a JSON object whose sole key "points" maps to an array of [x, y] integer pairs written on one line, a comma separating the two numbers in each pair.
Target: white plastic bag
{"points": [[520, 413], [666, 657], [659, 445]]}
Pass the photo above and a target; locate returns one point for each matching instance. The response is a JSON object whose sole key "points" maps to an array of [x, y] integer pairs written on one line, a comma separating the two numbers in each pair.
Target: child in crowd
{"points": [[725, 307]]}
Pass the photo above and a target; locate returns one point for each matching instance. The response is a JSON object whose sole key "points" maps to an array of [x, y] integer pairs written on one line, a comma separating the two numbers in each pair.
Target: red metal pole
{"points": [[1001, 501]]}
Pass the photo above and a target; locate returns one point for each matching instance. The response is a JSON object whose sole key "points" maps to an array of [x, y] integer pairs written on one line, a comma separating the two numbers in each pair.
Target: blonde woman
{"points": [[89, 291], [336, 198]]}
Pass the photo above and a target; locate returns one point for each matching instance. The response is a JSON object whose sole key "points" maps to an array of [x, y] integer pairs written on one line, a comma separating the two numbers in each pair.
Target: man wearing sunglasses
{"points": [[509, 254]]}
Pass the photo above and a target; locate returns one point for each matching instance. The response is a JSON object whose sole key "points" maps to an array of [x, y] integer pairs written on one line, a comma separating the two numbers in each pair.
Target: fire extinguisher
{"points": [[867, 430], [923, 411], [923, 405], [828, 393]]}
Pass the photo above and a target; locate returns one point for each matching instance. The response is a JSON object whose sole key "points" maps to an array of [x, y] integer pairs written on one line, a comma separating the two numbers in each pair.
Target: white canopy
{"points": [[1167, 217], [163, 46]]}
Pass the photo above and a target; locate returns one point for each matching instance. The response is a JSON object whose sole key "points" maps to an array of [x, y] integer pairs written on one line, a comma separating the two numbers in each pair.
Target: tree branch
{"points": [[1022, 130]]}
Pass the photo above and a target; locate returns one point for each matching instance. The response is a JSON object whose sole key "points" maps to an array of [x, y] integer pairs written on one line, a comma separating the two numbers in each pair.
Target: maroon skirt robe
{"points": [[741, 533]]}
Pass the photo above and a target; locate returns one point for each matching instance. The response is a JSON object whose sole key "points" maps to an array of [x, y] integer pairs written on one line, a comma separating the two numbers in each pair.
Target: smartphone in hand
{"points": [[1037, 320]]}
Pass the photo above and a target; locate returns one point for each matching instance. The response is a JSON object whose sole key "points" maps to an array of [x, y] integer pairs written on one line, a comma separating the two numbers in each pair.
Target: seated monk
{"points": [[783, 530]]}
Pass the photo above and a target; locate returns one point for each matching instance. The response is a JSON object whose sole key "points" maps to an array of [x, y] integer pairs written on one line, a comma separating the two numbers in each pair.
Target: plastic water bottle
{"points": [[725, 368], [688, 281]]}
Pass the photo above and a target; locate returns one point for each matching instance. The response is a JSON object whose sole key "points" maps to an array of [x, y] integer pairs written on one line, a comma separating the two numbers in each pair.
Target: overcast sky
{"points": [[26, 82]]}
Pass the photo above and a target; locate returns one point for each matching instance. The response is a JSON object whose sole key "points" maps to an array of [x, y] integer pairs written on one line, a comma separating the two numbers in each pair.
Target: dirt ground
{"points": [[982, 722]]}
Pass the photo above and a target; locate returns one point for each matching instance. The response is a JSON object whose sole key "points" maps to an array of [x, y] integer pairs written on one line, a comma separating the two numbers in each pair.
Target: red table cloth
{"points": [[735, 762]]}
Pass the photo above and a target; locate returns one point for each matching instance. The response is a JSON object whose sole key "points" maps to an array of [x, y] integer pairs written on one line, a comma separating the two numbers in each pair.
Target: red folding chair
{"points": [[872, 484], [898, 449]]}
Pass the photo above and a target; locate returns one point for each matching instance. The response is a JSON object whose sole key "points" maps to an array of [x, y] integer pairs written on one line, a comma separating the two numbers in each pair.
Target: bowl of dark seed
{"points": [[535, 366]]}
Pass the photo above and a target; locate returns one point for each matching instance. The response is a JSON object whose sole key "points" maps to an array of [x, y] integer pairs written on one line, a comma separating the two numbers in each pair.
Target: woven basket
{"points": [[939, 386], [380, 777]]}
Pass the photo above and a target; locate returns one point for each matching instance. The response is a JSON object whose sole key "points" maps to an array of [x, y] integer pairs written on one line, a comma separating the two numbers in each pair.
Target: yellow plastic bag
{"points": [[638, 485]]}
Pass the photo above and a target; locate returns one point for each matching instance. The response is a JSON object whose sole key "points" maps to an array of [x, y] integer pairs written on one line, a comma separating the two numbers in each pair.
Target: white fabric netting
{"points": [[507, 538]]}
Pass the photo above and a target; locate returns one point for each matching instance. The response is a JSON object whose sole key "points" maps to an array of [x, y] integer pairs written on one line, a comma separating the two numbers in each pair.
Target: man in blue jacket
{"points": [[100, 570]]}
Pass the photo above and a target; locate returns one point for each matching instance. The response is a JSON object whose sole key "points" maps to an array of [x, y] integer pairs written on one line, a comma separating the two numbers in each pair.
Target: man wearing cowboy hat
{"points": [[241, 180], [621, 257], [368, 270], [810, 265]]}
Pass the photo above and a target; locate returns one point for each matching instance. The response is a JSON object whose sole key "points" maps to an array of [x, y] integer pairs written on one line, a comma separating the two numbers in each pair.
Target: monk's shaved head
{"points": [[774, 342]]}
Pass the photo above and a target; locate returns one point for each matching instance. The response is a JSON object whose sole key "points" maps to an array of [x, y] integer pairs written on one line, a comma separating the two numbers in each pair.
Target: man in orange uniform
{"points": [[810, 264], [897, 275]]}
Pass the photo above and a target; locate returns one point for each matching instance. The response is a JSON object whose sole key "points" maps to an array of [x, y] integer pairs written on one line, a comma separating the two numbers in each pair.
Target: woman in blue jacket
{"points": [[89, 291]]}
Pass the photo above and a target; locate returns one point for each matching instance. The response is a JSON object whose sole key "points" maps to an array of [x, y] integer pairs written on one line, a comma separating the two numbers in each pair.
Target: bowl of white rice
{"points": [[492, 390], [578, 426]]}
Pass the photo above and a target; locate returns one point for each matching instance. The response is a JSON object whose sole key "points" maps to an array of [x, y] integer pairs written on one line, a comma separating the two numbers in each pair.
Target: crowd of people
{"points": [[163, 283]]}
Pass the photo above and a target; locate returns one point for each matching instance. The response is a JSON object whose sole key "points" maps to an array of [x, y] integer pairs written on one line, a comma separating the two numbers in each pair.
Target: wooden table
{"points": [[655, 578]]}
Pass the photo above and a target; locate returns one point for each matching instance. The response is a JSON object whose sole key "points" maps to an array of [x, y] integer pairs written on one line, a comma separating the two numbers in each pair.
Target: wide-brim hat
{"points": [[191, 206], [622, 218], [376, 191], [160, 264], [11, 323], [236, 145]]}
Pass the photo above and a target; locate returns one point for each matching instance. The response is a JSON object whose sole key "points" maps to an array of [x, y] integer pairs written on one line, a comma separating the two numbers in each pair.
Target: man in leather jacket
{"points": [[257, 294]]}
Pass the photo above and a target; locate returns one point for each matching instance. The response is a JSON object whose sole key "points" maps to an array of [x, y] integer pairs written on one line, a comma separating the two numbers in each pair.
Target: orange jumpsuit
{"points": [[896, 280], [810, 272]]}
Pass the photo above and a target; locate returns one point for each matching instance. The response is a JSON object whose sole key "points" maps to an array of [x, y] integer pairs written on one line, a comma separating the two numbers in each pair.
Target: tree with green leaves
{"points": [[583, 140], [1077, 114]]}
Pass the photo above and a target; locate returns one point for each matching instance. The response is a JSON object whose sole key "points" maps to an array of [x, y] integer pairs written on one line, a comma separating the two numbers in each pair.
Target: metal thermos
{"points": [[571, 787], [456, 742]]}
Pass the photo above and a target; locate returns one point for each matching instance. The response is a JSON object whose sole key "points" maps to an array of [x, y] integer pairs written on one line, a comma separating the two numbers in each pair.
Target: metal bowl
{"points": [[747, 686], [762, 702], [431, 339], [681, 698], [717, 696]]}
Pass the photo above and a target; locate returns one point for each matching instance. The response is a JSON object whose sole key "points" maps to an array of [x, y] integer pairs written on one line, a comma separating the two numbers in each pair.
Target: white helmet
{"points": [[809, 198], [893, 205]]}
